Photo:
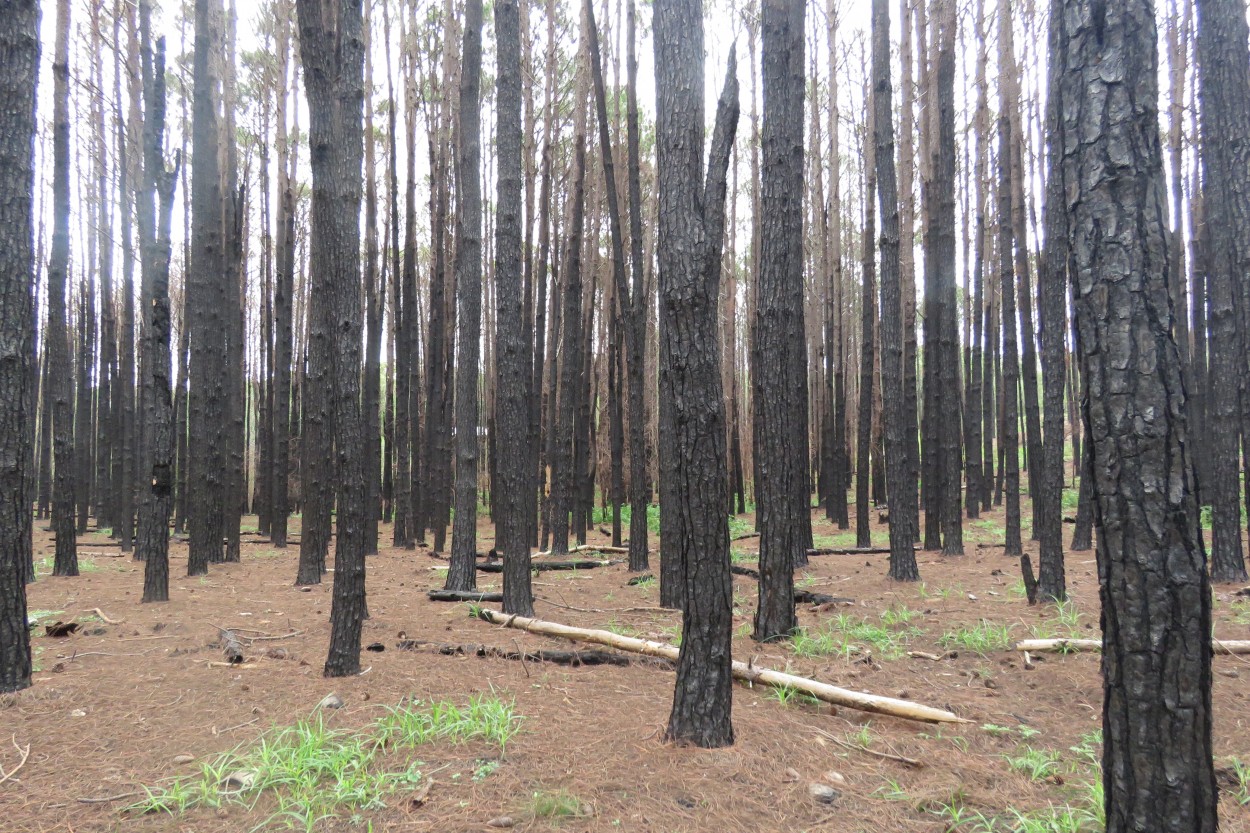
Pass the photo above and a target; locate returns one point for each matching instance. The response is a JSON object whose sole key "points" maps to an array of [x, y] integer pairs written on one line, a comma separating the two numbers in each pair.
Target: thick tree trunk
{"points": [[780, 394], [204, 305], [19, 63], [1157, 765], [690, 232], [332, 50], [513, 379]]}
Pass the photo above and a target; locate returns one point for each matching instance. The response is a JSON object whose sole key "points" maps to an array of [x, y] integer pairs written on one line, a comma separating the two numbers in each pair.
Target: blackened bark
{"points": [[463, 574], [204, 305], [691, 226], [374, 293], [513, 380], [332, 52], [974, 497], [564, 474], [126, 405], [1156, 618], [60, 376], [153, 538], [899, 474], [1052, 279], [19, 62], [867, 349], [950, 432], [1225, 153], [283, 291], [1011, 358], [780, 395]]}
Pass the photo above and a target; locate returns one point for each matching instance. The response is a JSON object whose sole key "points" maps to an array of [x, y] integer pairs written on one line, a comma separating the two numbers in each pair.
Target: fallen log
{"points": [[231, 647], [573, 658], [543, 566], [463, 596], [741, 670], [586, 548], [802, 597], [1064, 646], [852, 551], [745, 536]]}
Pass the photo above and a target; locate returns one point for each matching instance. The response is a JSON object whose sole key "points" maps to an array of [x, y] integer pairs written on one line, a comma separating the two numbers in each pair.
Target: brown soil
{"points": [[113, 706]]}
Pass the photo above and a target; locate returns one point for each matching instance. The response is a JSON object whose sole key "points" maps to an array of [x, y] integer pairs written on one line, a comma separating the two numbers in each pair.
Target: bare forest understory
{"points": [[141, 701]]}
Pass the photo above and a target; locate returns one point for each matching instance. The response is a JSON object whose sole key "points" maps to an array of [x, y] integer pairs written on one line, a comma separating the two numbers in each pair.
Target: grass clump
{"points": [[1036, 764], [556, 804], [846, 636], [981, 638], [309, 773]]}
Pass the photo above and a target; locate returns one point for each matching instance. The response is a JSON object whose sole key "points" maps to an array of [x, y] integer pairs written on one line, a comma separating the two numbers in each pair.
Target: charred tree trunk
{"points": [[899, 474], [60, 376], [463, 575], [332, 50], [19, 63], [1156, 660], [1225, 153], [780, 394], [691, 228]]}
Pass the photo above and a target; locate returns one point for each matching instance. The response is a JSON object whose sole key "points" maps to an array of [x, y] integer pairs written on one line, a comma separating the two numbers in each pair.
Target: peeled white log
{"points": [[741, 671]]}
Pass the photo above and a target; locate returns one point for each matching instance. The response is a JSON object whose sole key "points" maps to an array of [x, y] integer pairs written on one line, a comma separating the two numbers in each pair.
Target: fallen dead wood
{"points": [[104, 618], [584, 548], [932, 657], [543, 566], [852, 551], [106, 799], [741, 670], [463, 596], [801, 597], [573, 658], [745, 536], [24, 753], [902, 759], [1064, 646]]}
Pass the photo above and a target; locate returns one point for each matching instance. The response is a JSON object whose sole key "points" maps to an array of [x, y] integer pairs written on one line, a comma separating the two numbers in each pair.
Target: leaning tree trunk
{"points": [[19, 61], [1157, 766], [690, 232]]}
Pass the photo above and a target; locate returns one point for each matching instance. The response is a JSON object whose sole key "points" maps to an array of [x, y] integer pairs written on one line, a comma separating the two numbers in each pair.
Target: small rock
{"points": [[240, 780], [791, 775], [305, 590], [183, 759], [1231, 673], [501, 821], [822, 793], [972, 597], [331, 701], [834, 777], [989, 683], [78, 713]]}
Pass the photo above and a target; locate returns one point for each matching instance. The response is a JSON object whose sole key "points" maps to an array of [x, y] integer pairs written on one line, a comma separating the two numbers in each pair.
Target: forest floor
{"points": [[135, 713]]}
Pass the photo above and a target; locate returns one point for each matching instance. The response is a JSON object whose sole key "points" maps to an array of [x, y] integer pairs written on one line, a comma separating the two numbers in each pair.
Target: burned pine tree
{"points": [[1156, 660], [19, 62], [690, 233]]}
